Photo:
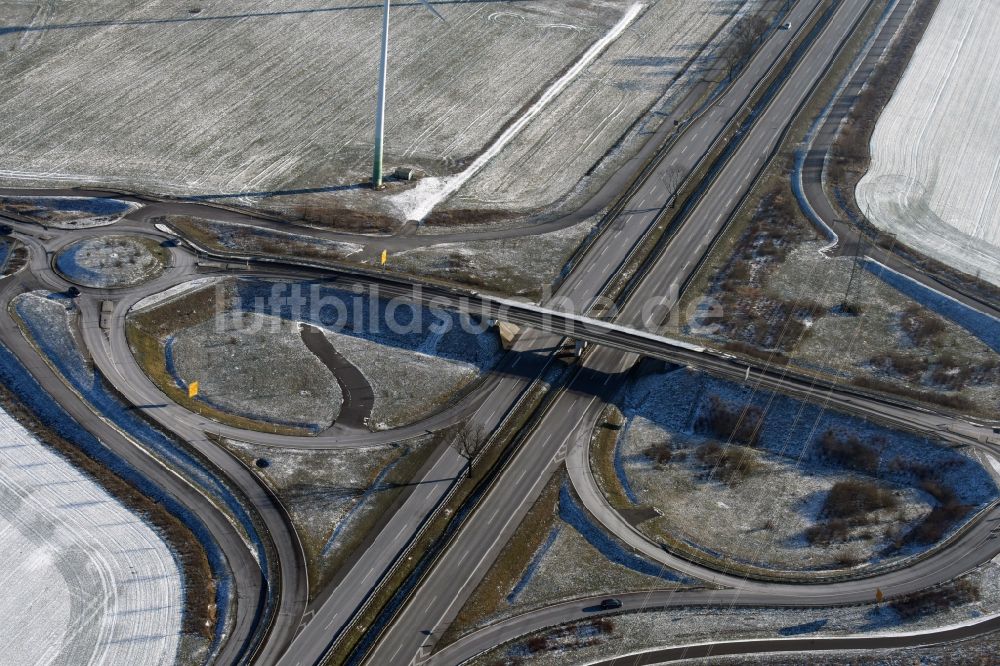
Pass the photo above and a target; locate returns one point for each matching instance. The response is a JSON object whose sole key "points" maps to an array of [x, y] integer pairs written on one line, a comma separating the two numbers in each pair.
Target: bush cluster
{"points": [[855, 498], [849, 452], [731, 464], [954, 593], [730, 424], [659, 454], [921, 326]]}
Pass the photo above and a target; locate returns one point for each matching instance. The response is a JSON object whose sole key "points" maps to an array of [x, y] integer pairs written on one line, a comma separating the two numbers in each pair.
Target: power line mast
{"points": [[380, 104]]}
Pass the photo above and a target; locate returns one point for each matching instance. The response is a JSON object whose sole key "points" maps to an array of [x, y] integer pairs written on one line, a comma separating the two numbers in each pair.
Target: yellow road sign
{"points": [[192, 389], [385, 255]]}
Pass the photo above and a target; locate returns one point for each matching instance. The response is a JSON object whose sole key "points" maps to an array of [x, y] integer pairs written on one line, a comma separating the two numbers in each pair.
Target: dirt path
{"points": [[358, 395]]}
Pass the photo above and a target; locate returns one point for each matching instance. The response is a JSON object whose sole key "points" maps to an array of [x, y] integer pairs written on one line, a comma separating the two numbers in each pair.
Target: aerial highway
{"points": [[572, 417], [584, 284], [787, 66]]}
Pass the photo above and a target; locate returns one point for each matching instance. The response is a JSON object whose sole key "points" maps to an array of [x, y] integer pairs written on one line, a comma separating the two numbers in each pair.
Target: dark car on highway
{"points": [[609, 604]]}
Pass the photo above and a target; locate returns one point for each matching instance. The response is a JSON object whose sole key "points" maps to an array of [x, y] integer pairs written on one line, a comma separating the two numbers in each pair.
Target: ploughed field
{"points": [[86, 580], [933, 179], [226, 98]]}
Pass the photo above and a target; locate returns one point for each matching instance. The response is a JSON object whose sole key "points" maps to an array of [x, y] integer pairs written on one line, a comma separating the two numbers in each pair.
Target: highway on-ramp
{"points": [[310, 632]]}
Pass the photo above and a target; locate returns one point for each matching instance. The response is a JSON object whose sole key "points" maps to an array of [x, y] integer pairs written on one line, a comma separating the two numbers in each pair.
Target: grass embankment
{"points": [[602, 458], [147, 332], [489, 596], [247, 240], [379, 506], [383, 506]]}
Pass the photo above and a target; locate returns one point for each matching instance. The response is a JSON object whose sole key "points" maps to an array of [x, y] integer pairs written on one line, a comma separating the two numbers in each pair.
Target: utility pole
{"points": [[380, 104], [854, 268]]}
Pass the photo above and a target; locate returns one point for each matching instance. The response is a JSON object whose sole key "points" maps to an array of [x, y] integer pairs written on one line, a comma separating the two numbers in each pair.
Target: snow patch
{"points": [[933, 179]]}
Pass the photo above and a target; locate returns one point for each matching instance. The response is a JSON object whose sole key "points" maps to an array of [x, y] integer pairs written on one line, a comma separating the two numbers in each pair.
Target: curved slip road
{"points": [[256, 631]]}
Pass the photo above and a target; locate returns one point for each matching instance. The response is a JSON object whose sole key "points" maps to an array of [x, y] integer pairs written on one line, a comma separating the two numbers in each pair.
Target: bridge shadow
{"points": [[191, 17], [532, 364]]}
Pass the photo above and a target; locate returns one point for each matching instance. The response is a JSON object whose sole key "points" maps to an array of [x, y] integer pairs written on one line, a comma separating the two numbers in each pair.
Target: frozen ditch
{"points": [[85, 580]]}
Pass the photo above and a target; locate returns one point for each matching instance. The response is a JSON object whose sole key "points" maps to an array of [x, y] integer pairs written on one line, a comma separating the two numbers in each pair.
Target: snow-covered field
{"points": [[85, 580], [150, 95], [933, 179]]}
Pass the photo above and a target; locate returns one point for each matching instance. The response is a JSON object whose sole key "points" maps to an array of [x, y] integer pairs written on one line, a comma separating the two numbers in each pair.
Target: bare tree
{"points": [[742, 41], [469, 443], [672, 179]]}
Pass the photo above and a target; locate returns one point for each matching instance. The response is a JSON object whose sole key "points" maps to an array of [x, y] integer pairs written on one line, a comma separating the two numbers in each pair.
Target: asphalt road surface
{"points": [[565, 431], [571, 419]]}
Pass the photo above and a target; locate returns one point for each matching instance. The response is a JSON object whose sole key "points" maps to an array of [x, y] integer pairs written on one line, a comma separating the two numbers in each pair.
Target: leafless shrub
{"points": [[469, 442], [849, 452], [731, 464], [922, 327], [949, 595], [731, 424], [853, 498], [660, 453]]}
